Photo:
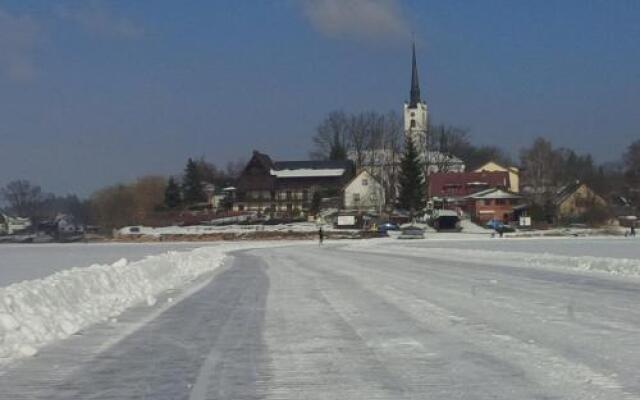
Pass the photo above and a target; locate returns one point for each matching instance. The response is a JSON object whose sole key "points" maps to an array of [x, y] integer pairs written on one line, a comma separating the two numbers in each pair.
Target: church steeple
{"points": [[416, 114], [415, 85]]}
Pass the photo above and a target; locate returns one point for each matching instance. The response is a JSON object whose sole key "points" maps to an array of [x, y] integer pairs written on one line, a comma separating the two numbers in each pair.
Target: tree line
{"points": [[375, 141], [136, 203]]}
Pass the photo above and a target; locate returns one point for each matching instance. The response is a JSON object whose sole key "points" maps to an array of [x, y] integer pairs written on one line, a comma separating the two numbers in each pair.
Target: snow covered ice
{"points": [[468, 317], [36, 312]]}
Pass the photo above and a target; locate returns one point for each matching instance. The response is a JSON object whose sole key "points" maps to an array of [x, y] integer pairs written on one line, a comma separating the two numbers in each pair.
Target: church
{"points": [[416, 126], [416, 114]]}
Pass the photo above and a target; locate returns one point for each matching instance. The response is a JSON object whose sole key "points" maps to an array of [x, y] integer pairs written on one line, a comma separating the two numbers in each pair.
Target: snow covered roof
{"points": [[307, 172], [493, 193]]}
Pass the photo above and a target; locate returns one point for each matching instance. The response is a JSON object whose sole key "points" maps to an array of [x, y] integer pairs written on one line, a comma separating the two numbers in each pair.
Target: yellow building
{"points": [[575, 199], [514, 174]]}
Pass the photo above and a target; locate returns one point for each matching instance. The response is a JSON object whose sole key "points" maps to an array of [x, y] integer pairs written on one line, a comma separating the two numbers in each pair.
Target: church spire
{"points": [[415, 85]]}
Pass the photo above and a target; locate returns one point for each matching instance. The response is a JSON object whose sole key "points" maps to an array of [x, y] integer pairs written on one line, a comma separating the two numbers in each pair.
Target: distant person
{"points": [[633, 231], [320, 235]]}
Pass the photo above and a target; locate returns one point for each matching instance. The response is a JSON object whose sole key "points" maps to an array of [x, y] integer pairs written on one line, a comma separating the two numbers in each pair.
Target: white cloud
{"points": [[18, 39], [357, 19], [94, 17]]}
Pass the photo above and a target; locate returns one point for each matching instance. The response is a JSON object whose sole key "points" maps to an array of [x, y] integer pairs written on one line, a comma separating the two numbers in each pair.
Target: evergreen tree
{"points": [[411, 179], [338, 151], [192, 184], [172, 194]]}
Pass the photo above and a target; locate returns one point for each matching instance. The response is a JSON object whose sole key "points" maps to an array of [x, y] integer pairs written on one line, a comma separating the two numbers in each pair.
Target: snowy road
{"points": [[331, 323]]}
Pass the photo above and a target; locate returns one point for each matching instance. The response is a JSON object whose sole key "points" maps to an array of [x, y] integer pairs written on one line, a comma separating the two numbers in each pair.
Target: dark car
{"points": [[388, 226], [499, 226]]}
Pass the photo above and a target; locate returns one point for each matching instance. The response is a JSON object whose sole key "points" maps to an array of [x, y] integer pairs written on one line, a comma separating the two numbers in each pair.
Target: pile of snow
{"points": [[208, 229], [471, 227], [37, 312], [629, 267]]}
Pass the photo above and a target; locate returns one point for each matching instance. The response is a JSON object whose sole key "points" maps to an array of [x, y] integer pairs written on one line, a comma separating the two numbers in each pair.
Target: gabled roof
{"points": [[441, 180], [493, 193], [566, 191], [364, 171], [260, 159], [509, 168], [569, 189]]}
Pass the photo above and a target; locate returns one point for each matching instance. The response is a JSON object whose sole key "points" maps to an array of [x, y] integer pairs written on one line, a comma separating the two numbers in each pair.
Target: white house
{"points": [[364, 192], [10, 225]]}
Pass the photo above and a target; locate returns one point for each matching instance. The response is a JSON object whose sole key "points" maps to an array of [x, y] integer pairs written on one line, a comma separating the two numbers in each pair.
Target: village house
{"points": [[514, 173], [455, 186], [364, 193], [493, 204], [574, 200], [10, 225], [286, 189]]}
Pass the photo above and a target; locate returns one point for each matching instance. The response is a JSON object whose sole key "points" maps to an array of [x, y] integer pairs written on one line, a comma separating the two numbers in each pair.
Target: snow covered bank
{"points": [[35, 313], [629, 267], [206, 229]]}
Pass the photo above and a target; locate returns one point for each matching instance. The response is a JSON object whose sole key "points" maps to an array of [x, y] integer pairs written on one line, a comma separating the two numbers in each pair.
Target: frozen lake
{"points": [[614, 247], [378, 319], [20, 262]]}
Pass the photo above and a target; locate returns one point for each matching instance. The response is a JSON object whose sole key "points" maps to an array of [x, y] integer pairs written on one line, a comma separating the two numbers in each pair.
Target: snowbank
{"points": [[34, 313], [205, 229], [629, 267]]}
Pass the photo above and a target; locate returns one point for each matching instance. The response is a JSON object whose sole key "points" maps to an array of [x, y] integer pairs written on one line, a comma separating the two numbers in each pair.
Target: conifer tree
{"points": [[192, 189], [411, 179], [338, 151], [172, 196]]}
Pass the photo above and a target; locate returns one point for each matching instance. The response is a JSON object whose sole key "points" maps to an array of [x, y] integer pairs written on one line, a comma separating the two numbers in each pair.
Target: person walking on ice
{"points": [[320, 235]]}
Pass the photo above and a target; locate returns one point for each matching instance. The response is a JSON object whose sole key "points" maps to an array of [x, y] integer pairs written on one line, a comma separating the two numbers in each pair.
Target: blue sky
{"points": [[98, 92]]}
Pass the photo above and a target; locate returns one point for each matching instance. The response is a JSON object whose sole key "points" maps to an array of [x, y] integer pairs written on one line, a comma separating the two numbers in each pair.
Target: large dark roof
{"points": [[313, 164], [263, 159]]}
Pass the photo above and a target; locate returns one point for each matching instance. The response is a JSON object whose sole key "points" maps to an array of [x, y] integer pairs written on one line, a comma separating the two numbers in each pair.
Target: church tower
{"points": [[416, 115]]}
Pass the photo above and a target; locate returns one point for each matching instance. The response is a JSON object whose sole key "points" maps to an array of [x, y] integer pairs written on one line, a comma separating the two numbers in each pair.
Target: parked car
{"points": [[499, 226], [388, 226], [411, 232]]}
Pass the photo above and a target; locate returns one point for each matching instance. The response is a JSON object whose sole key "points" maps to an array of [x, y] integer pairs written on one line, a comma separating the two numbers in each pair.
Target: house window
{"points": [[413, 123], [356, 197], [365, 182], [413, 114], [500, 202], [486, 202]]}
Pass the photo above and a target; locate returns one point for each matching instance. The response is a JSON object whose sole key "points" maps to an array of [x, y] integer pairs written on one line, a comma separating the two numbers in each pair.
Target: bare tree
{"points": [[631, 161], [148, 195], [114, 206], [541, 165], [24, 198], [332, 136], [234, 169]]}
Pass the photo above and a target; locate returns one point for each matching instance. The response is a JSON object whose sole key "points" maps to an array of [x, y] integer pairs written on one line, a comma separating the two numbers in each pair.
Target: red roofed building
{"points": [[460, 184]]}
